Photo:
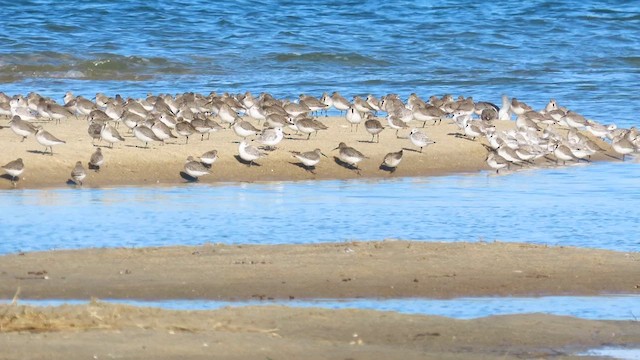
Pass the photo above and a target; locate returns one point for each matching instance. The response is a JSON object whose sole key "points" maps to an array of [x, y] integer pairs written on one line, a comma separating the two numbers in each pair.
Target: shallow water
{"points": [[582, 53], [613, 307], [588, 206]]}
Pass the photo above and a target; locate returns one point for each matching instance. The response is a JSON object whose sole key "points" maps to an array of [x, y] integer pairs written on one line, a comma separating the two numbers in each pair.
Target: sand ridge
{"points": [[129, 163], [384, 269]]}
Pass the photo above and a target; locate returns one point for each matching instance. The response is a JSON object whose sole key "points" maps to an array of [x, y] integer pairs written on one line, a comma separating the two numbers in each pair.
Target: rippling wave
{"points": [[583, 54], [96, 67]]}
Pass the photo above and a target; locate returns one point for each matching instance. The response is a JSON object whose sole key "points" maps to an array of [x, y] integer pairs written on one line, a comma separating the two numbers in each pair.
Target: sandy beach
{"points": [[333, 270], [340, 270], [129, 163]]}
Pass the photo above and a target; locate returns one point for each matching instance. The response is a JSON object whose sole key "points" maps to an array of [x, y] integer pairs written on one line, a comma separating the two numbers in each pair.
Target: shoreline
{"points": [[381, 269], [102, 330], [128, 165]]}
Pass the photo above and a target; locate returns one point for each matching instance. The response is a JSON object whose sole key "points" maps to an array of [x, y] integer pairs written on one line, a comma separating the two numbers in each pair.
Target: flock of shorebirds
{"points": [[554, 133]]}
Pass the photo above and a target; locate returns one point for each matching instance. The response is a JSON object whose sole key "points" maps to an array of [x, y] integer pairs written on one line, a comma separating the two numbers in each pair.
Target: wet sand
{"points": [[128, 163], [382, 269], [108, 331], [386, 269]]}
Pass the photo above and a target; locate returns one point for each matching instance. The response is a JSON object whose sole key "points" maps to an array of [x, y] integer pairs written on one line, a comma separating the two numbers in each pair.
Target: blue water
{"points": [[614, 307], [589, 206], [582, 53]]}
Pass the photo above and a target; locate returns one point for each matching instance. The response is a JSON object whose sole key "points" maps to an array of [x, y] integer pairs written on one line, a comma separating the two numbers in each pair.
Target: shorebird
{"points": [[392, 160], [327, 100], [47, 140], [109, 134], [227, 114], [309, 158], [354, 117], [21, 127], [209, 157], [271, 137], [78, 173], [312, 103], [339, 102], [14, 169], [373, 102], [184, 128], [162, 131], [396, 123], [96, 160], [94, 130], [244, 128], [349, 155], [563, 152], [599, 130], [306, 125], [57, 112], [373, 127], [496, 161], [249, 153], [195, 169], [144, 134], [622, 145], [362, 105], [429, 113], [420, 139]]}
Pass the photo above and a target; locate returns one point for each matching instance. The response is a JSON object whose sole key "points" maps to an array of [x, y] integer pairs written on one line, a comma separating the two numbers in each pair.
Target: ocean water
{"points": [[582, 53]]}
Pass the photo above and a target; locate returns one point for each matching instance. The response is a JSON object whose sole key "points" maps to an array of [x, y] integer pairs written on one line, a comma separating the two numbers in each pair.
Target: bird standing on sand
{"points": [[373, 127], [14, 169], [354, 117], [78, 173], [109, 134], [47, 140], [349, 155], [271, 137], [309, 158], [392, 160], [420, 139], [249, 153], [21, 127], [195, 169], [209, 157], [144, 134], [97, 159]]}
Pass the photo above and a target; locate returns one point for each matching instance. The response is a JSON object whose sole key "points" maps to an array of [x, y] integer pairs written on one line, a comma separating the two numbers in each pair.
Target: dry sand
{"points": [[130, 164], [339, 270]]}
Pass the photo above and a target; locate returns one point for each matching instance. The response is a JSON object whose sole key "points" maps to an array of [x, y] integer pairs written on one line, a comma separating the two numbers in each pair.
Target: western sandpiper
{"points": [[109, 134], [78, 173], [392, 160], [21, 127], [373, 127], [194, 168], [96, 160], [14, 169], [144, 134], [47, 140], [309, 158], [349, 155], [209, 157]]}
